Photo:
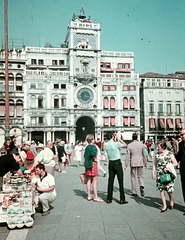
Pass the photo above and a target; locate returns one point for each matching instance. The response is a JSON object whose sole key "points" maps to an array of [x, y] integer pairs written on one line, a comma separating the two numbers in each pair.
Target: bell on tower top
{"points": [[82, 13]]}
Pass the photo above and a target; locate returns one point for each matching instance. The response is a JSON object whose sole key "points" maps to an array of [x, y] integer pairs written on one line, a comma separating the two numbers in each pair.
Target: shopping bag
{"points": [[83, 178], [165, 178]]}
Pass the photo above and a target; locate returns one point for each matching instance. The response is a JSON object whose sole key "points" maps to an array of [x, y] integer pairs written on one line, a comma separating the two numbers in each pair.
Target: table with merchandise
{"points": [[17, 201]]}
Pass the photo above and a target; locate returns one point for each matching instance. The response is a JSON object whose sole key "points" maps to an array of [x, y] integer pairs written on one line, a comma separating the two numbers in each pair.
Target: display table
{"points": [[17, 201]]}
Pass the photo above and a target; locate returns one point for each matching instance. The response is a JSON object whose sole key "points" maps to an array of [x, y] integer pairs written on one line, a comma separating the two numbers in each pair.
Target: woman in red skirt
{"points": [[91, 168]]}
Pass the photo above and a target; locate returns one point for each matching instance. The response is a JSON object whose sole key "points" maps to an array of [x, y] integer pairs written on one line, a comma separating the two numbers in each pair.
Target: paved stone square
{"points": [[75, 218]]}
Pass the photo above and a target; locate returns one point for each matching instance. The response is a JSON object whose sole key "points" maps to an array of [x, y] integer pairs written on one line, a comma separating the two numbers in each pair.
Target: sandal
{"points": [[98, 200], [89, 199]]}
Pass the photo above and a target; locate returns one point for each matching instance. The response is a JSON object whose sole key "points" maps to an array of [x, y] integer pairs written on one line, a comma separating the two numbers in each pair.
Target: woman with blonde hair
{"points": [[91, 168], [161, 160]]}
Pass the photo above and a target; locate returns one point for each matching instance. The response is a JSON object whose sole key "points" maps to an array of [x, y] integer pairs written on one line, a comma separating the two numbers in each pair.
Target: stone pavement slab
{"points": [[75, 218]]}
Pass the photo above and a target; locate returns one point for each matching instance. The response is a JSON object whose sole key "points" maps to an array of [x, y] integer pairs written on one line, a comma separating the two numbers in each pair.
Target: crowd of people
{"points": [[41, 161]]}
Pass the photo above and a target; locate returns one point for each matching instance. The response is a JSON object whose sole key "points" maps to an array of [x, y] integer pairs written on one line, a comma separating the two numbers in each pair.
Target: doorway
{"points": [[84, 126]]}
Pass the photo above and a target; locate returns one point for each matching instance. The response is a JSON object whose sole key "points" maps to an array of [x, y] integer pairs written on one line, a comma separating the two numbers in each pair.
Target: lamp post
{"points": [[6, 70]]}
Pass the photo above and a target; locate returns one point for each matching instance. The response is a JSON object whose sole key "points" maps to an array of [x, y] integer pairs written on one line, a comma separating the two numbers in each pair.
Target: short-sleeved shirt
{"points": [[47, 181], [112, 149], [7, 163]]}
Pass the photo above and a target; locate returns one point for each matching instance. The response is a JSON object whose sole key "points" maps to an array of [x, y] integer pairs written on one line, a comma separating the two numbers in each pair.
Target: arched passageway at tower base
{"points": [[84, 126]]}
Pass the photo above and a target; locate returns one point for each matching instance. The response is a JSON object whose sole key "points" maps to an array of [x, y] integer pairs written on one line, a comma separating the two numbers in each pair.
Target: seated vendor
{"points": [[30, 164]]}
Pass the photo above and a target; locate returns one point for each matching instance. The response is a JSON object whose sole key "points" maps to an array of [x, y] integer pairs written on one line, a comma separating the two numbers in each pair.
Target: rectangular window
{"points": [[132, 88], [170, 123], [120, 65], [63, 86], [63, 102], [41, 62], [168, 96], [112, 87], [40, 86], [2, 87], [105, 88], [112, 121], [40, 120], [108, 65], [177, 109], [33, 121], [56, 86], [177, 96], [168, 109], [160, 108], [151, 108], [54, 62], [11, 87], [106, 121], [125, 87], [56, 103], [178, 123], [40, 102], [161, 122], [56, 120], [19, 88], [126, 65], [61, 62], [33, 85], [151, 96], [63, 120], [132, 120], [34, 61], [160, 95], [152, 123], [125, 121]]}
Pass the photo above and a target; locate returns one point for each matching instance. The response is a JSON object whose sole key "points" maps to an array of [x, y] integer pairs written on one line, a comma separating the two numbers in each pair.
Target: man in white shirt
{"points": [[45, 185]]}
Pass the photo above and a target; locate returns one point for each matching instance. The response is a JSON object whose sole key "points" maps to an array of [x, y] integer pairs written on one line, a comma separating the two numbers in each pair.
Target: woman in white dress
{"points": [[78, 153]]}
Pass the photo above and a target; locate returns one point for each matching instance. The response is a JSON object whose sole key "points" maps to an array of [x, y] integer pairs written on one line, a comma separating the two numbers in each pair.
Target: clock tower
{"points": [[83, 43]]}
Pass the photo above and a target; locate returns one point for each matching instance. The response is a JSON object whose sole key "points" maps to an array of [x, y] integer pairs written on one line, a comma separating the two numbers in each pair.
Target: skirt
{"points": [[93, 172]]}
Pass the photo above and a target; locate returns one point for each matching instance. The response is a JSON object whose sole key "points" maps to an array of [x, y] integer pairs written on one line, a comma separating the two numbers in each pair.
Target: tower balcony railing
{"points": [[85, 25]]}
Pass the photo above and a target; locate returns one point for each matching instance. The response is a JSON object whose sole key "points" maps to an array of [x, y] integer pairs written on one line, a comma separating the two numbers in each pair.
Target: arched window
{"points": [[11, 108], [33, 102], [19, 82], [19, 107], [56, 102], [132, 103], [11, 82], [2, 107], [105, 103], [125, 102], [112, 102], [40, 102]]}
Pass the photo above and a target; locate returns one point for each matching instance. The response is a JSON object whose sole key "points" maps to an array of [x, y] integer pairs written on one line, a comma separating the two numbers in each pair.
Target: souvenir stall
{"points": [[17, 201]]}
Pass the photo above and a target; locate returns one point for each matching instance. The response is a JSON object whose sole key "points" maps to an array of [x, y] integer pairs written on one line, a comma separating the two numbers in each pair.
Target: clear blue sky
{"points": [[153, 29]]}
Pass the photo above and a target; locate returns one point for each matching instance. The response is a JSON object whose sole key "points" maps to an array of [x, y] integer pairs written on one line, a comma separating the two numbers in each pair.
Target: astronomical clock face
{"points": [[85, 97]]}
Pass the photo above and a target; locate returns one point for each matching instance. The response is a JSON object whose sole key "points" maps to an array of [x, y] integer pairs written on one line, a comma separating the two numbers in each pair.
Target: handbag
{"points": [[165, 178], [83, 178]]}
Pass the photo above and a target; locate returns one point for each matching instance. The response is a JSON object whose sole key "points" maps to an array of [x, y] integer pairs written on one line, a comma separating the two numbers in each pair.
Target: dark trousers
{"points": [[182, 172], [115, 168]]}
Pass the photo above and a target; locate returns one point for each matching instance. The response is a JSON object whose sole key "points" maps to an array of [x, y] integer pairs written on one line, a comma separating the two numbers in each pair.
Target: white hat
{"points": [[40, 145], [27, 143], [22, 155]]}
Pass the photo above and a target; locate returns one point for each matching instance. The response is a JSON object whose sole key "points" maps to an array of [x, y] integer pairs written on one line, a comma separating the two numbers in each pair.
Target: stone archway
{"points": [[84, 126]]}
